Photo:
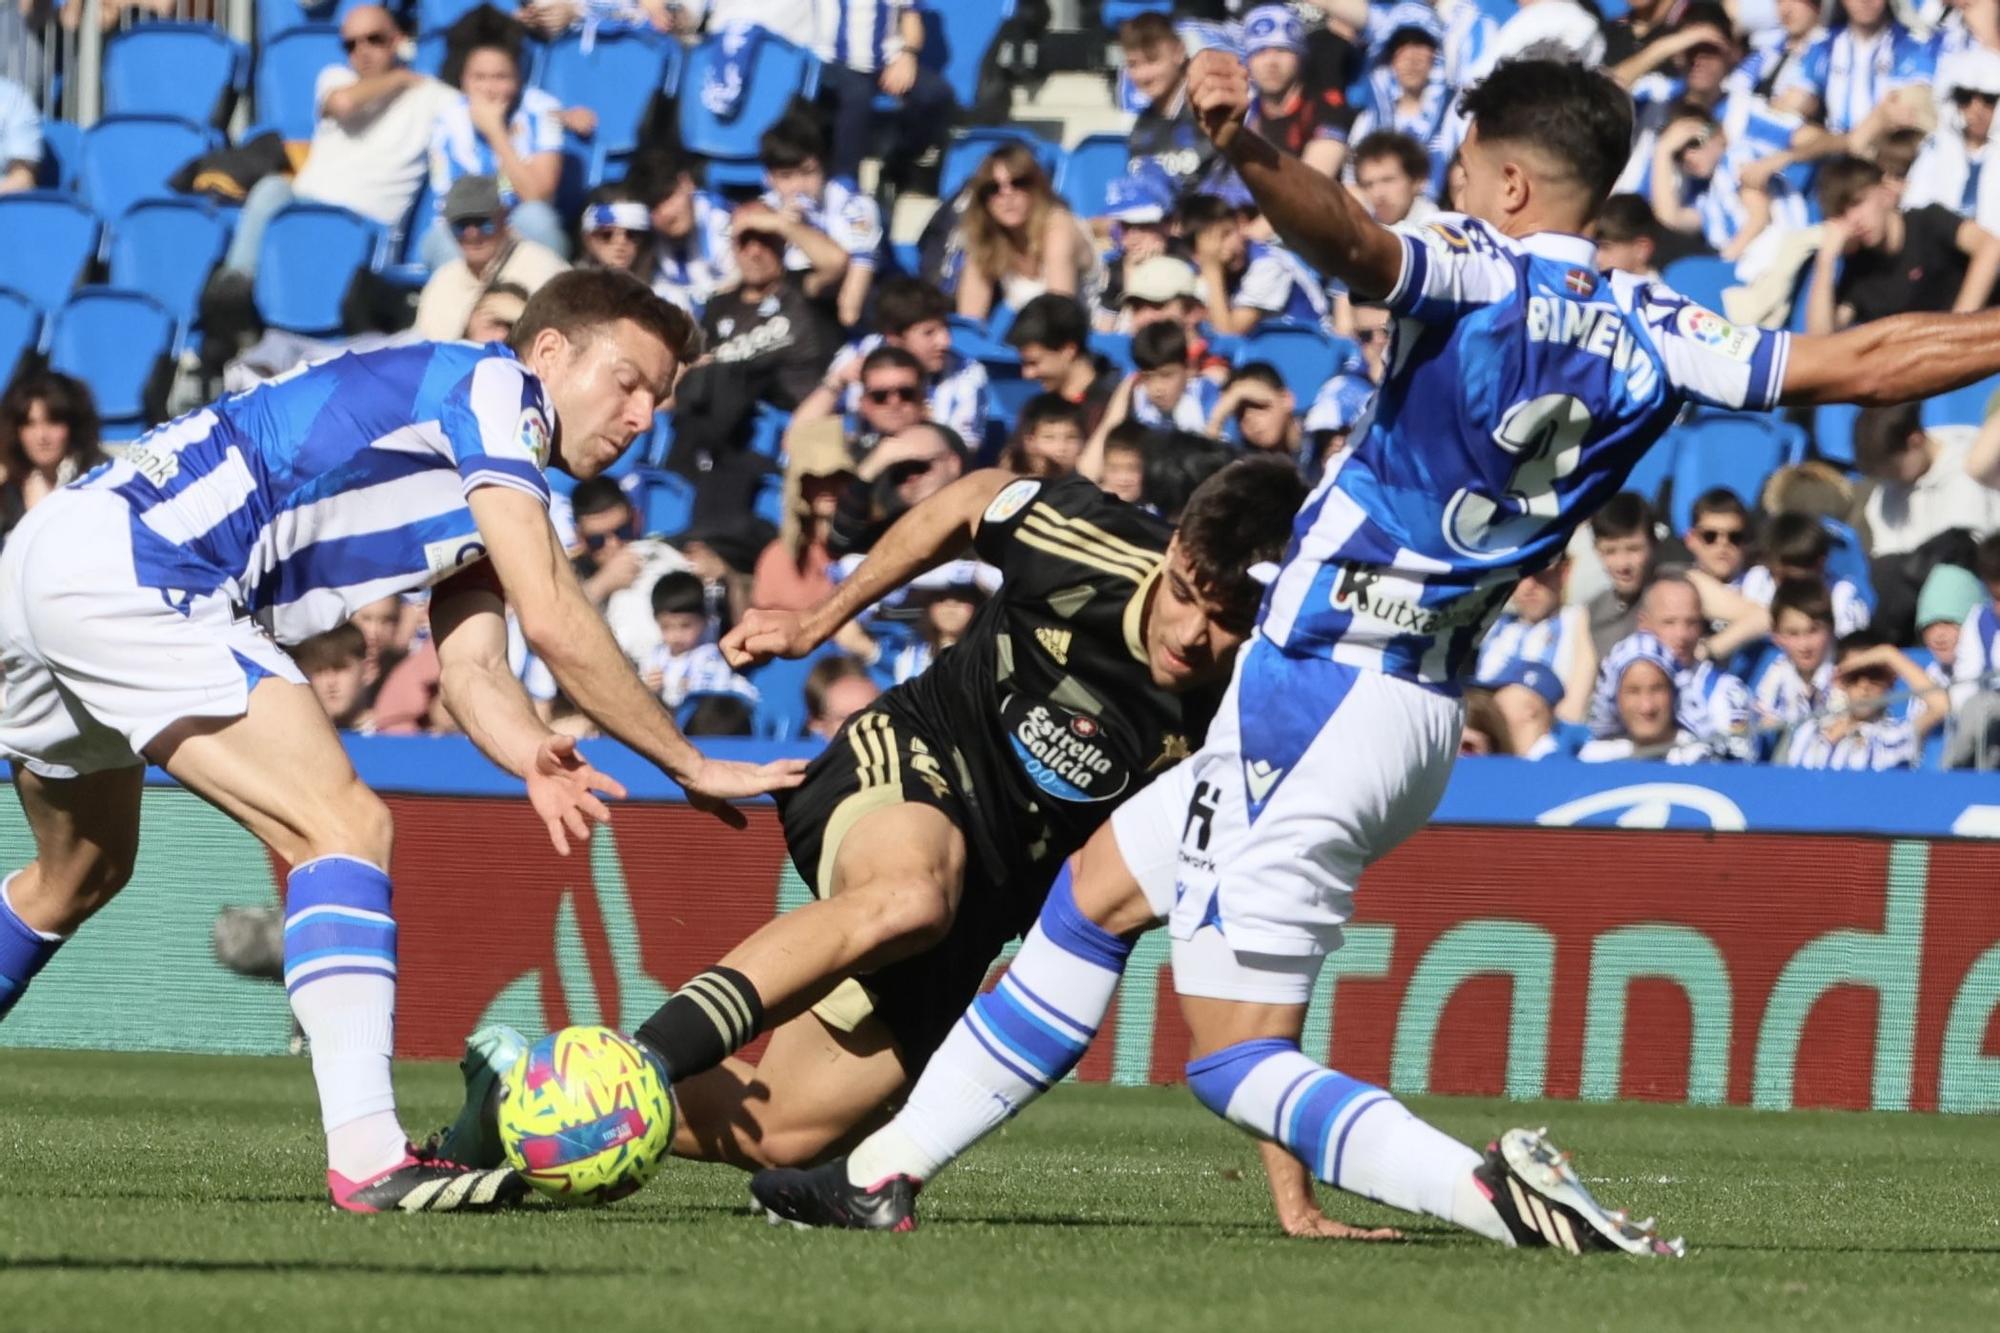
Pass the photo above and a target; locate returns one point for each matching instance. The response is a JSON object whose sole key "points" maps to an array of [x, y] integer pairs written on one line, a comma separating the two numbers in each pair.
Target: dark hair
{"points": [[1859, 641], [679, 594], [67, 401], [597, 495], [583, 300], [826, 673], [1898, 151], [1882, 433], [1128, 437], [1577, 115], [1705, 13], [656, 173], [1795, 540], [482, 29], [1258, 372], [1719, 500], [1625, 514], [337, 647], [1160, 344], [1143, 32], [716, 713], [1409, 154], [1046, 409], [1986, 560], [1241, 516], [1177, 463], [1198, 212], [903, 303], [1843, 181], [886, 357], [1682, 108], [1807, 597], [513, 289], [1627, 217], [792, 141], [1050, 320]]}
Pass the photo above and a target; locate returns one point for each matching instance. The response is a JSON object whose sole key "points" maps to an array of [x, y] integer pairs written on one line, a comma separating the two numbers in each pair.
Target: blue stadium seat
{"points": [[62, 154], [1088, 170], [129, 158], [782, 72], [1734, 449], [1833, 433], [287, 73], [1115, 348], [20, 331], [50, 238], [1701, 278], [167, 248], [1305, 356], [437, 15], [113, 341], [416, 222], [964, 153], [957, 36], [1502, 10], [971, 339], [769, 502], [278, 17], [665, 502], [310, 255], [615, 75], [1118, 11], [1848, 559], [781, 694], [767, 432], [429, 56], [1961, 407], [1006, 395], [1653, 469], [190, 70]]}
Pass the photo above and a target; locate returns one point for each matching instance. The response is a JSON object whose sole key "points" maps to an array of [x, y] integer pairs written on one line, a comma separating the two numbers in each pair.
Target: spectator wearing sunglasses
{"points": [[617, 233], [915, 316], [1951, 169], [1856, 731], [489, 253], [902, 470], [1718, 536], [370, 147]]}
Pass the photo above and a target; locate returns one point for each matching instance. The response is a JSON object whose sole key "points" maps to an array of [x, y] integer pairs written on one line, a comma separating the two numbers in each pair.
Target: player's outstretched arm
{"points": [[1316, 216], [933, 531], [1893, 360], [568, 634], [470, 624], [1298, 1207]]}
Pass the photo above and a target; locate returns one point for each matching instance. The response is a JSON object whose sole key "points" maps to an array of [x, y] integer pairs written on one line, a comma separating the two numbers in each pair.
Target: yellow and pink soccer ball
{"points": [[585, 1116]]}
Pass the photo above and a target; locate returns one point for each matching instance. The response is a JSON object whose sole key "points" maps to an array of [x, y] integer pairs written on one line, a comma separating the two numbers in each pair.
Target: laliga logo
{"points": [[1649, 805]]}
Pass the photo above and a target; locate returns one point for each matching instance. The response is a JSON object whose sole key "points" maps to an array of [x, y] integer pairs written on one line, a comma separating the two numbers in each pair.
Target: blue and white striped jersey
{"points": [[1850, 609], [1523, 386], [863, 35], [1850, 74], [1711, 705], [851, 219], [457, 149], [333, 486], [1191, 410], [958, 397], [1553, 643], [1868, 746], [1780, 696], [1279, 283], [1978, 655], [692, 268], [1436, 123]]}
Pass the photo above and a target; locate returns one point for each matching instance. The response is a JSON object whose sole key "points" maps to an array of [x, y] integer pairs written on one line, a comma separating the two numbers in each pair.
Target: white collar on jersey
{"points": [[1561, 246]]}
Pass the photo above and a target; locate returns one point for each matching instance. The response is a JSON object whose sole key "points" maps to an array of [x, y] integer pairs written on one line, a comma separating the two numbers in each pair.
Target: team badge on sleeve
{"points": [[1715, 333], [535, 437], [1013, 498]]}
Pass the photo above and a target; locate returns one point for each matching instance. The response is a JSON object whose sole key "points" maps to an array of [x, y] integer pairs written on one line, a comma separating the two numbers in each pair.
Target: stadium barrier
{"points": [[1761, 937]]}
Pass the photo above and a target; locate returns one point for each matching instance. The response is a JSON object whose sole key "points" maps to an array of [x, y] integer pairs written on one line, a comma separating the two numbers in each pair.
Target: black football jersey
{"points": [[1047, 704]]}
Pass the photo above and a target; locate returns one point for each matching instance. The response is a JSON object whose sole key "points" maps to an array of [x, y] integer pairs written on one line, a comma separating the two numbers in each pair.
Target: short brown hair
{"points": [[1808, 597], [1881, 434], [1843, 181], [1240, 517], [582, 300], [1143, 32], [826, 673], [336, 648]]}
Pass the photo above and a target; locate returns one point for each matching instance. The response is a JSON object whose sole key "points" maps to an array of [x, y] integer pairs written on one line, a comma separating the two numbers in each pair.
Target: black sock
{"points": [[712, 1016]]}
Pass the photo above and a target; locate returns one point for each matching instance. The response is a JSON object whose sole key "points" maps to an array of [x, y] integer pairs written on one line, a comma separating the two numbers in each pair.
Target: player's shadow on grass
{"points": [[298, 1267]]}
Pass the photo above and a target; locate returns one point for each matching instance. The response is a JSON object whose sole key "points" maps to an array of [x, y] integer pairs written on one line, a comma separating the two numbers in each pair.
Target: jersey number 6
{"points": [[1545, 435]]}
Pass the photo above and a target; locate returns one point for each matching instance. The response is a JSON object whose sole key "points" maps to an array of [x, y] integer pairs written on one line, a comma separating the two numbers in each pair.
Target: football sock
{"points": [[707, 1020], [1350, 1134], [23, 950], [1014, 1043], [340, 971]]}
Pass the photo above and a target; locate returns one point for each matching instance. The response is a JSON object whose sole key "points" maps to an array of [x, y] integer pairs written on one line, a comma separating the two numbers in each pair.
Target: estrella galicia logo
{"points": [[1649, 805], [1062, 751]]}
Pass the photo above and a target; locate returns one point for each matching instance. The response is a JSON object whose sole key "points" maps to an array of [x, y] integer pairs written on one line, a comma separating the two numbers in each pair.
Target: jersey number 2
{"points": [[1545, 435]]}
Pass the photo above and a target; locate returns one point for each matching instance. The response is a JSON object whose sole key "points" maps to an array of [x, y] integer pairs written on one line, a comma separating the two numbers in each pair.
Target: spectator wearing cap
{"points": [[915, 317], [1951, 168], [1165, 132], [1262, 409], [691, 242], [1309, 123], [1016, 239], [370, 146], [1406, 90], [1858, 733], [1391, 172], [498, 126], [1645, 711], [1051, 333], [1136, 210], [1945, 603], [20, 138], [1875, 261], [488, 253], [617, 233], [1537, 628], [1934, 497], [1163, 288], [1527, 695]]}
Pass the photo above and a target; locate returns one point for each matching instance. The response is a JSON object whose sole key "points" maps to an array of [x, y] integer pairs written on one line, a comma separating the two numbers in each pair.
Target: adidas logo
{"points": [[1055, 642]]}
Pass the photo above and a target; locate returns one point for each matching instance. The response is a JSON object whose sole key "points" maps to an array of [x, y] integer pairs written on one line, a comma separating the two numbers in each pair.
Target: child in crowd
{"points": [[1527, 695], [1856, 732], [1167, 393], [1795, 683], [1621, 534], [1049, 438], [1796, 546], [335, 666], [1125, 462], [685, 663]]}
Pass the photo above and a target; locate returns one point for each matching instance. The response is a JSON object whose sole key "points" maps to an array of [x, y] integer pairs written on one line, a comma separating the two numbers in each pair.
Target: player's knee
{"points": [[794, 1145], [910, 915], [358, 824]]}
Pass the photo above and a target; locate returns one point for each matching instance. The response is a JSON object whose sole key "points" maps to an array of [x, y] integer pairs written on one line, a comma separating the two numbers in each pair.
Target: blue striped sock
{"points": [[340, 971], [24, 951]]}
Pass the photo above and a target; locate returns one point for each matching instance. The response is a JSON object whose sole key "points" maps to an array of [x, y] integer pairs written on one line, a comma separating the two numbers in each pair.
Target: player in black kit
{"points": [[931, 828]]}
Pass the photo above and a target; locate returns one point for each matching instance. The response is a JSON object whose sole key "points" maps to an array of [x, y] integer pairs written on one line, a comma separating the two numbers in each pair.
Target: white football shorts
{"points": [[96, 665], [1251, 849]]}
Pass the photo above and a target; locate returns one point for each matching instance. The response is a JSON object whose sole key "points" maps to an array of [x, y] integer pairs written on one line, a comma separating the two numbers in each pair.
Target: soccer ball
{"points": [[585, 1116]]}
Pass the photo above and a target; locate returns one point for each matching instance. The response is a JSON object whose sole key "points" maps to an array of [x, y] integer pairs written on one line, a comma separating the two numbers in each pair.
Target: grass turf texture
{"points": [[174, 1192]]}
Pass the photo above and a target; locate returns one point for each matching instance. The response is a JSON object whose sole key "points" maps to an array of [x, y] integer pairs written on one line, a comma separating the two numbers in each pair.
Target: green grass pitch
{"points": [[143, 1193]]}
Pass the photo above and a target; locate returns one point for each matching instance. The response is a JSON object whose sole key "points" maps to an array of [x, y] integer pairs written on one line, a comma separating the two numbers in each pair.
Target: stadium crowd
{"points": [[1816, 165]]}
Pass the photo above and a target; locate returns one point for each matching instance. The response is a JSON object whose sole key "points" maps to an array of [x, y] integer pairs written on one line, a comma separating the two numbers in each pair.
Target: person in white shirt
{"points": [[369, 149], [1542, 23], [1951, 169], [1934, 496], [488, 253], [20, 138]]}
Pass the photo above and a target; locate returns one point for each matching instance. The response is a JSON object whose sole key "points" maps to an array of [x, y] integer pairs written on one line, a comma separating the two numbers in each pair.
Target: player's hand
{"points": [[763, 635], [489, 116], [1219, 91], [714, 783], [563, 790], [1312, 1224], [579, 120]]}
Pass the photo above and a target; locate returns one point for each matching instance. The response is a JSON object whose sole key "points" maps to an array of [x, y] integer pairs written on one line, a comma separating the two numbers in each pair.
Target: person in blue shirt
{"points": [[148, 604], [1523, 387]]}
